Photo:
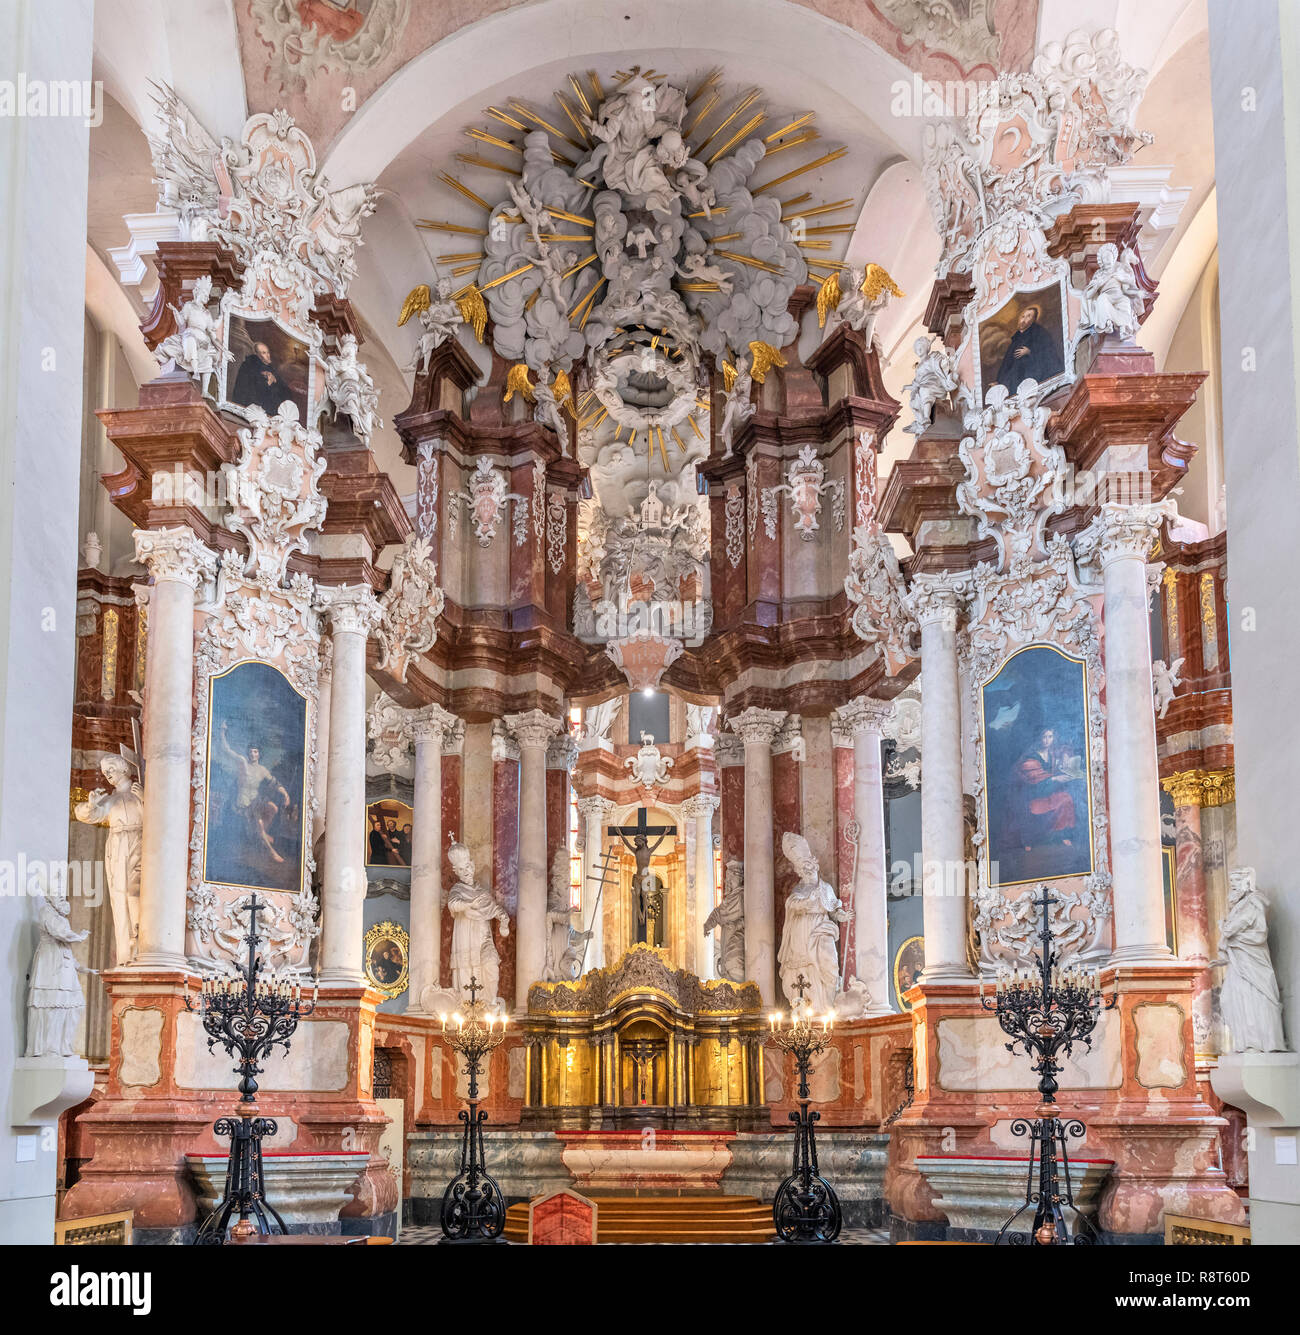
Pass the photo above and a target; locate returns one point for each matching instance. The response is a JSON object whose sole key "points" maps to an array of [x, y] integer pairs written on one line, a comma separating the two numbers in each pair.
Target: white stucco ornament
{"points": [[649, 766]]}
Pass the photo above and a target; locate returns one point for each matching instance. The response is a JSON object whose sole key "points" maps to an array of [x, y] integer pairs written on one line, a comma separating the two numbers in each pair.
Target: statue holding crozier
{"points": [[647, 888]]}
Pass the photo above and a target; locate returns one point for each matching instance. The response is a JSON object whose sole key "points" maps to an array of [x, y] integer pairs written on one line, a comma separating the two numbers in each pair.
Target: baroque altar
{"points": [[644, 1044]]}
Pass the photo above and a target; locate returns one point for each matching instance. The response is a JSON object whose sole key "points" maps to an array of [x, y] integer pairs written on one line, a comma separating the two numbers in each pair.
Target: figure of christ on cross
{"points": [[649, 897]]}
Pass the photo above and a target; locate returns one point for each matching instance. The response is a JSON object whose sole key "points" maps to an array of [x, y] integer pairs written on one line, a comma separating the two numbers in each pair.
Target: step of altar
{"points": [[681, 1219]]}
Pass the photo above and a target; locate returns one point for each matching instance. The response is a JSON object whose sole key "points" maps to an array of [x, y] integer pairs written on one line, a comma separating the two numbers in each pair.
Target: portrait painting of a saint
{"points": [[257, 733], [267, 367], [1022, 341], [1037, 785]]}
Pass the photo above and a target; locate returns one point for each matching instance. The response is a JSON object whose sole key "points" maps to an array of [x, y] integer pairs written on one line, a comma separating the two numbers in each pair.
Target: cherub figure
{"points": [[194, 347], [935, 378], [1112, 302]]}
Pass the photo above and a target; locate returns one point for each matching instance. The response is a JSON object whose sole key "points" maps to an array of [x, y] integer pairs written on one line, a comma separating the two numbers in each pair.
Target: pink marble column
{"points": [[428, 729], [533, 730], [864, 720], [452, 820], [756, 727], [1192, 918]]}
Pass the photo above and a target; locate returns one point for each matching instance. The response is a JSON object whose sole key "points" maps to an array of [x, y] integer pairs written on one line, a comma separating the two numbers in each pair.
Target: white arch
{"points": [[579, 32], [193, 46]]}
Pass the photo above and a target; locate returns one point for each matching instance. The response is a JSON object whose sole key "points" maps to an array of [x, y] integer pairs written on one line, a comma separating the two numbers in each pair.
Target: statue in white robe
{"points": [[54, 997], [473, 953], [810, 938], [728, 920], [122, 810], [1252, 1006]]}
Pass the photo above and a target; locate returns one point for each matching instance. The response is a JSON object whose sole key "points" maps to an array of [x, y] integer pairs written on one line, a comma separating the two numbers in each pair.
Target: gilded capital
{"points": [[1218, 787], [1202, 787], [1184, 788]]}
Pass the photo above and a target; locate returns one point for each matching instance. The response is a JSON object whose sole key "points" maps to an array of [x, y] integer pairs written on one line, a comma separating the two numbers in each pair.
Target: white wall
{"points": [[1258, 159], [43, 166]]}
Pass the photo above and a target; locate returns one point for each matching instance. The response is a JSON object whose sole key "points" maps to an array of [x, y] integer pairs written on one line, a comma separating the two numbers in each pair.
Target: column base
{"points": [[158, 959], [947, 974], [342, 978], [1155, 954]]}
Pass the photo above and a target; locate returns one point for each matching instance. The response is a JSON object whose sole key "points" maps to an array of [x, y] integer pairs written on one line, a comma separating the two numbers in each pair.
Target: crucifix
{"points": [[648, 891]]}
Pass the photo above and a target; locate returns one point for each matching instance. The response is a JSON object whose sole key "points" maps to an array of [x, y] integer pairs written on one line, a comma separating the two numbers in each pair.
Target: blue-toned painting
{"points": [[1037, 775], [257, 743]]}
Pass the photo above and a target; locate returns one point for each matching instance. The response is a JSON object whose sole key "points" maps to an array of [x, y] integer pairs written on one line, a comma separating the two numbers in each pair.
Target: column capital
{"points": [[1201, 787], [1184, 788], [862, 715], [595, 806], [175, 555], [562, 753], [757, 726], [350, 608], [1125, 532], [532, 728], [937, 598], [700, 805], [432, 723]]}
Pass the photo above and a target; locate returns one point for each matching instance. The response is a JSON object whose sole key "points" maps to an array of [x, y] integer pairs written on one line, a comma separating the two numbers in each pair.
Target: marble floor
{"points": [[424, 1235]]}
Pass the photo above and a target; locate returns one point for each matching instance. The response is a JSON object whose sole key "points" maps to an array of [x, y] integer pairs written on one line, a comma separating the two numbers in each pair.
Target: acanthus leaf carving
{"points": [[410, 608]]}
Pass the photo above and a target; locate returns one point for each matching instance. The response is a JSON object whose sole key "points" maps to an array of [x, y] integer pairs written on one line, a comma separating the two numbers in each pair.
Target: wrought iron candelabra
{"points": [[1045, 1010], [805, 1208], [248, 1014], [473, 1209]]}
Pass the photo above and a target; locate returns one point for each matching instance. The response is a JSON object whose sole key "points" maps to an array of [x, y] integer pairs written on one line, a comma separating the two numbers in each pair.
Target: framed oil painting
{"points": [[1024, 340], [267, 366], [1167, 856], [909, 960], [387, 958], [1037, 768], [256, 772], [389, 823]]}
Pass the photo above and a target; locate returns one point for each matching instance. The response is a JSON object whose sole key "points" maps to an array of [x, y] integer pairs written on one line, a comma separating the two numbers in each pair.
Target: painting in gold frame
{"points": [[908, 963], [1037, 758], [387, 952], [256, 777]]}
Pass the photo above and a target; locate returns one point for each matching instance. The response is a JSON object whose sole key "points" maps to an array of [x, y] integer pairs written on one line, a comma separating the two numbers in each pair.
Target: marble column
{"points": [[699, 810], [863, 719], [595, 812], [1127, 533], [321, 772], [1191, 905], [756, 728], [935, 601], [429, 726], [178, 562], [533, 731], [353, 612]]}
